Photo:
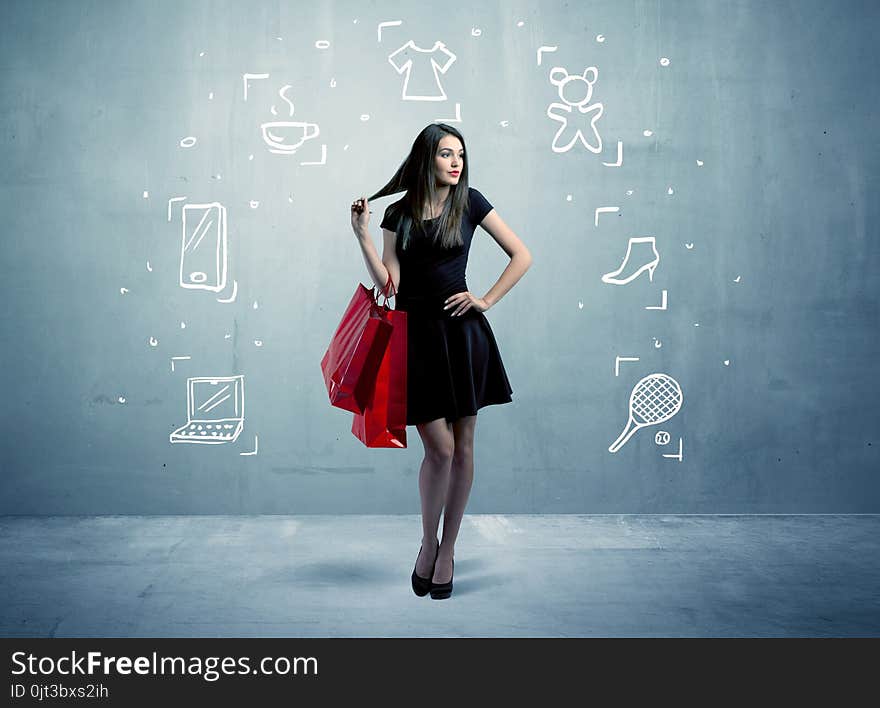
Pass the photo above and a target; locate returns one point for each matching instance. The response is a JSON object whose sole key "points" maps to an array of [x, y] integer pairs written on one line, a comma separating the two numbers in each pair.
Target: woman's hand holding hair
{"points": [[360, 217]]}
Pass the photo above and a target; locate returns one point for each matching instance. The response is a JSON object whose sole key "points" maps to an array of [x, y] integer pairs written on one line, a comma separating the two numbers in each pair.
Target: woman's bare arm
{"points": [[360, 224], [379, 269], [520, 256]]}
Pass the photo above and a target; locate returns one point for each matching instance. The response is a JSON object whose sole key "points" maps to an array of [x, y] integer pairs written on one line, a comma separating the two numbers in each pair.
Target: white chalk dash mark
{"points": [[619, 160], [121, 399], [619, 359], [232, 297], [323, 160], [256, 447], [604, 210], [662, 305], [247, 77], [383, 25], [178, 358], [543, 49], [122, 291], [677, 455], [456, 119], [171, 201]]}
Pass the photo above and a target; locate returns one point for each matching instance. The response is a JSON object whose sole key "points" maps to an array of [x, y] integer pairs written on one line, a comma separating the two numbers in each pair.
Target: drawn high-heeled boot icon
{"points": [[649, 265]]}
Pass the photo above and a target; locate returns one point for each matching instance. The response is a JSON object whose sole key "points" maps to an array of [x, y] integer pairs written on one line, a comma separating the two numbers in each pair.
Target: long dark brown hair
{"points": [[417, 176]]}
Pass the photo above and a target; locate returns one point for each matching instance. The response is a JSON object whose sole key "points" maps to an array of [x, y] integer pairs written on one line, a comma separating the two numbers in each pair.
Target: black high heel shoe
{"points": [[440, 591], [421, 585]]}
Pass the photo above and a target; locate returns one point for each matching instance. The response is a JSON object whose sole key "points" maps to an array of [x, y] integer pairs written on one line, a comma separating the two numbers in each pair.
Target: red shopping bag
{"points": [[352, 360], [383, 422]]}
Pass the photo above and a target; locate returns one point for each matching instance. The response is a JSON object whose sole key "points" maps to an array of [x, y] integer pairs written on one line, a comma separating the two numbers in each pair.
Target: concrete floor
{"points": [[515, 576]]}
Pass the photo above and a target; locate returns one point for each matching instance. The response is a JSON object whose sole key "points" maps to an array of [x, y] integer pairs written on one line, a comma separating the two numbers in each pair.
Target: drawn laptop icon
{"points": [[214, 410]]}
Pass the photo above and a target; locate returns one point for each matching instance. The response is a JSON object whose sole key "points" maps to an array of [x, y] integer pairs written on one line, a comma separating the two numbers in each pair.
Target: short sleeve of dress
{"points": [[479, 206], [390, 219]]}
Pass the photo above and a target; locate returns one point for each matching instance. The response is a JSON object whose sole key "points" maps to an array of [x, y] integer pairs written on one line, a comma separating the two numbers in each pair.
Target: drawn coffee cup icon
{"points": [[278, 135]]}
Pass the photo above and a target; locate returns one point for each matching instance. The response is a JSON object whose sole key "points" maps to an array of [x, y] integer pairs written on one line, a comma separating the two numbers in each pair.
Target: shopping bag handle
{"points": [[386, 290]]}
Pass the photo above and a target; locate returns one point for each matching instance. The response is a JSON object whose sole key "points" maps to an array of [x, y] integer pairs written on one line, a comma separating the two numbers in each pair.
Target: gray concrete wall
{"points": [[768, 250]]}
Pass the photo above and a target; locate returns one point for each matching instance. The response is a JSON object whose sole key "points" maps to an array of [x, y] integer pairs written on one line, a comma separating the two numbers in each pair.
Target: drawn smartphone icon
{"points": [[203, 247]]}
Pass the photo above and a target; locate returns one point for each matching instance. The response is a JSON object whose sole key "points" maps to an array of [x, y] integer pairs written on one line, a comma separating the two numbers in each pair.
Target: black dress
{"points": [[454, 367]]}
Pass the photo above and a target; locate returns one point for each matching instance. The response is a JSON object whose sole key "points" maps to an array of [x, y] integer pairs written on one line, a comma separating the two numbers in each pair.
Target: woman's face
{"points": [[449, 161]]}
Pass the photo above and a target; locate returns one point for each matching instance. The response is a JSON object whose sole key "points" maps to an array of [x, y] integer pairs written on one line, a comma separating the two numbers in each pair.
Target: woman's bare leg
{"points": [[438, 440], [460, 481]]}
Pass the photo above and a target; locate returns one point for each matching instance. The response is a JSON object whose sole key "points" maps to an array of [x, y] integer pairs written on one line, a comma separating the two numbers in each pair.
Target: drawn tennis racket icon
{"points": [[654, 399]]}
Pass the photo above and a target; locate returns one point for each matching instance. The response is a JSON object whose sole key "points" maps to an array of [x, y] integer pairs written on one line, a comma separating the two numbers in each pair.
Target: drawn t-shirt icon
{"points": [[416, 62]]}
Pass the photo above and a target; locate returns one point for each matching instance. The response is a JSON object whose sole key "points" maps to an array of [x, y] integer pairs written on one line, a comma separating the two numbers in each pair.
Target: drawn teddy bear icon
{"points": [[575, 91]]}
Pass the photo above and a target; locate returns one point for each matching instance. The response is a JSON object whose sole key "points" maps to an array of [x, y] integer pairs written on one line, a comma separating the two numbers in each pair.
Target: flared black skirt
{"points": [[454, 366]]}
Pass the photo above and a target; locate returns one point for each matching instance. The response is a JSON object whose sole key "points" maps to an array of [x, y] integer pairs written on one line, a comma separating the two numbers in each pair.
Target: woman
{"points": [[454, 367]]}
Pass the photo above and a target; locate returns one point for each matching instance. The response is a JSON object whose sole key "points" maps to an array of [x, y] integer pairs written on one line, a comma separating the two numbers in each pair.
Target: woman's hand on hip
{"points": [[462, 302]]}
